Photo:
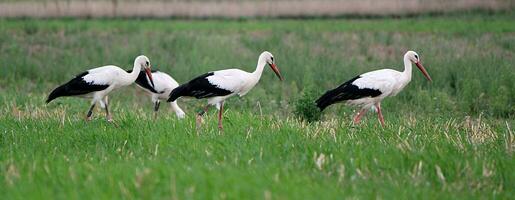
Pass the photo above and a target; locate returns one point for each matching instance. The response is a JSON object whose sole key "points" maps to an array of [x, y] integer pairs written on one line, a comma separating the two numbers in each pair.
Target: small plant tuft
{"points": [[305, 107]]}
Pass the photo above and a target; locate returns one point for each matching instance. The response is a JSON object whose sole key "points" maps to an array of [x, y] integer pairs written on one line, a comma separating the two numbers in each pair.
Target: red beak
{"points": [[149, 75], [276, 70], [423, 70]]}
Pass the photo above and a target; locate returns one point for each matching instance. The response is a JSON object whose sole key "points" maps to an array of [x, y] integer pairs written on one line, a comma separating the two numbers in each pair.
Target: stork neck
{"points": [[407, 68], [135, 72], [259, 68]]}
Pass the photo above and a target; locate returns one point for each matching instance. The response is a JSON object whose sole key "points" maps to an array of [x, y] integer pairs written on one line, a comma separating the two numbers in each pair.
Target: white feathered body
{"points": [[110, 75], [235, 80], [388, 81]]}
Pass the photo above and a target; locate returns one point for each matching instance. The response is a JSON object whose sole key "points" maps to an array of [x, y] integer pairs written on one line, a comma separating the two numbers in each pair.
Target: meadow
{"points": [[448, 139]]}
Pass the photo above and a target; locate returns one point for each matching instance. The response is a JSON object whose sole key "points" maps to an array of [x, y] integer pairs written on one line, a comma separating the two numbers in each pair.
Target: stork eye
{"points": [[272, 59], [147, 63], [416, 57]]}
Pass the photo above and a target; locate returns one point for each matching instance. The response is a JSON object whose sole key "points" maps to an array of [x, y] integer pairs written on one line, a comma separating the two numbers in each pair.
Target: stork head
{"points": [[269, 59], [415, 58], [144, 62]]}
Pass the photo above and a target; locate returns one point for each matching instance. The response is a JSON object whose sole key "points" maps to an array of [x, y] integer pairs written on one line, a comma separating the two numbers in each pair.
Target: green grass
{"points": [[166, 158], [444, 140]]}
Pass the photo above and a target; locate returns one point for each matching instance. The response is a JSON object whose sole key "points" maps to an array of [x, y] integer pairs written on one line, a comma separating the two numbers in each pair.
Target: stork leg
{"points": [[109, 118], [360, 114], [156, 108], [379, 113], [220, 112], [90, 112]]}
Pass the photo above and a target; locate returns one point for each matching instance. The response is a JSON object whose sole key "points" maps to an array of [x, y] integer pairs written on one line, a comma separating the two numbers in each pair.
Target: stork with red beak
{"points": [[98, 82], [369, 89], [217, 86]]}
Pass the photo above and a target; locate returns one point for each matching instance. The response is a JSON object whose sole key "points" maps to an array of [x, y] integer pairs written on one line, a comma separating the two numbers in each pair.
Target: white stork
{"points": [[219, 85], [163, 86], [98, 82], [369, 89]]}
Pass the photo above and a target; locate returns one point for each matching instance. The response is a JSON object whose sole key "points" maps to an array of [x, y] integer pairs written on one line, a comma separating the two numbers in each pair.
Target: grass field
{"points": [[444, 140]]}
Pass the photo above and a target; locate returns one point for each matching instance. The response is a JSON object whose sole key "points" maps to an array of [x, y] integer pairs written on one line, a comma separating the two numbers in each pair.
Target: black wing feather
{"points": [[143, 81], [199, 88], [346, 91], [76, 86]]}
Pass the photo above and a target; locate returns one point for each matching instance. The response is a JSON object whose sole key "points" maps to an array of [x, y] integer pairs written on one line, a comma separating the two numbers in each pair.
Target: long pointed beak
{"points": [[276, 70], [149, 75], [423, 70]]}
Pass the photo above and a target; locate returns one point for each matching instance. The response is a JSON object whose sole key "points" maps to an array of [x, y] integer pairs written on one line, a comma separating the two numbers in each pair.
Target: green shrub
{"points": [[305, 107]]}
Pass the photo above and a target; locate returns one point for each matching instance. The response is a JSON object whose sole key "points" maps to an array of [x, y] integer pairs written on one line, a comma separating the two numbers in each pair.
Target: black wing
{"points": [[74, 87], [346, 91], [143, 81], [199, 88]]}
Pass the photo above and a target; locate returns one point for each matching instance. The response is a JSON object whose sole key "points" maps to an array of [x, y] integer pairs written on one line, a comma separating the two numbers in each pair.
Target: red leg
{"points": [[220, 112], [379, 113], [360, 114]]}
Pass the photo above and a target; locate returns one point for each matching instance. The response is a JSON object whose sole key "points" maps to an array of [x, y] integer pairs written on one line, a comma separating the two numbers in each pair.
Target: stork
{"points": [[369, 89], [163, 86], [98, 82], [217, 86]]}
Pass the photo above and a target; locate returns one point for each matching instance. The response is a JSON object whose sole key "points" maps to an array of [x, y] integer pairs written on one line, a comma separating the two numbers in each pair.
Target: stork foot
{"points": [[358, 116], [220, 127], [88, 118], [109, 118]]}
